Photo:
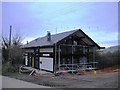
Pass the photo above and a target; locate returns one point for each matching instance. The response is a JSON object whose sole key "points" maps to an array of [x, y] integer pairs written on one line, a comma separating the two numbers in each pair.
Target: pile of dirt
{"points": [[110, 69]]}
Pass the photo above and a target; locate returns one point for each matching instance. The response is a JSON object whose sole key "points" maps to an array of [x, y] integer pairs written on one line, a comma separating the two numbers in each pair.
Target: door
{"points": [[36, 62], [33, 61], [46, 63]]}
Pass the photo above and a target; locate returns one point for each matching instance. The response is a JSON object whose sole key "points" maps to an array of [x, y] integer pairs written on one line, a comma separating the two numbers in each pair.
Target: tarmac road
{"points": [[14, 83]]}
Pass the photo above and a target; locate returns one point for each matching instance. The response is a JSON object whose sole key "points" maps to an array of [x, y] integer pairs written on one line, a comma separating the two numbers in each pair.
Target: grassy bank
{"points": [[8, 71]]}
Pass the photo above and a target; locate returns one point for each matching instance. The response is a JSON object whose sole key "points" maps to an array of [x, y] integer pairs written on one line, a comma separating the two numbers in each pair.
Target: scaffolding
{"points": [[75, 57]]}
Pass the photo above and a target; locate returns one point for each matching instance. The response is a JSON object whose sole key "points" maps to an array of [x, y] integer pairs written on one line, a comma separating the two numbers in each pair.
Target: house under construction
{"points": [[53, 51]]}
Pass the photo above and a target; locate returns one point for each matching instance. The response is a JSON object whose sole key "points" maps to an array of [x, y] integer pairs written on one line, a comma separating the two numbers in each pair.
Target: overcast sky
{"points": [[33, 20]]}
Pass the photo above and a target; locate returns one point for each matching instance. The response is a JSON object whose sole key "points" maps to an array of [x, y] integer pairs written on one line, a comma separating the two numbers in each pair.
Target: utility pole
{"points": [[9, 57], [10, 35]]}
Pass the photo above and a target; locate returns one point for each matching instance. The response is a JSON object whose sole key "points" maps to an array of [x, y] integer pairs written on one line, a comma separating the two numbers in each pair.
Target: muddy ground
{"points": [[100, 80]]}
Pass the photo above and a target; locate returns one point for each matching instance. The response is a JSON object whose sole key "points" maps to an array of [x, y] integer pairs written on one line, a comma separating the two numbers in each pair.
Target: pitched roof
{"points": [[42, 41]]}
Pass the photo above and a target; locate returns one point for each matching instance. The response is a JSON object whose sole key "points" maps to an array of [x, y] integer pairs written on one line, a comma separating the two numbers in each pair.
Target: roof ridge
{"points": [[66, 31], [55, 38], [58, 33]]}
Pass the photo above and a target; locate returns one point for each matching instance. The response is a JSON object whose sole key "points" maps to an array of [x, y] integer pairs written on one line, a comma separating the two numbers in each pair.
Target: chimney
{"points": [[27, 42], [48, 36]]}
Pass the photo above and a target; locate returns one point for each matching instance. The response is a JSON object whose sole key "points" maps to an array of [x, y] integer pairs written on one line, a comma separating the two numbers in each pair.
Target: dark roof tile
{"points": [[42, 41]]}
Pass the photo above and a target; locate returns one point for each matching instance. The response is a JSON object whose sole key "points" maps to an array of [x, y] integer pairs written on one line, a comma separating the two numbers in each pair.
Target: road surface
{"points": [[14, 83]]}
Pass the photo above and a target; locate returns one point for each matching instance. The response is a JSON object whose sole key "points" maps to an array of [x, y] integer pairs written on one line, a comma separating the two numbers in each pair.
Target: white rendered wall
{"points": [[46, 50], [47, 63], [26, 60]]}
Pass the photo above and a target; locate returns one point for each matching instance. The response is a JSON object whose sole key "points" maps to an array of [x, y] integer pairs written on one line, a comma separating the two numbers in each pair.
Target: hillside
{"points": [[111, 49]]}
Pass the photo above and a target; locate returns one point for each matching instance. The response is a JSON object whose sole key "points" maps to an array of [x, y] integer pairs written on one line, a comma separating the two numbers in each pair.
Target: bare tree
{"points": [[12, 53]]}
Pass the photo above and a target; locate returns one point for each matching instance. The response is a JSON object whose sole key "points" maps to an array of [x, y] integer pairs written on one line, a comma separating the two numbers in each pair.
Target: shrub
{"points": [[107, 59]]}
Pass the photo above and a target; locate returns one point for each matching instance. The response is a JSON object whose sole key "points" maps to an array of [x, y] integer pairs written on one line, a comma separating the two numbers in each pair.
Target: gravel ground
{"points": [[100, 80]]}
